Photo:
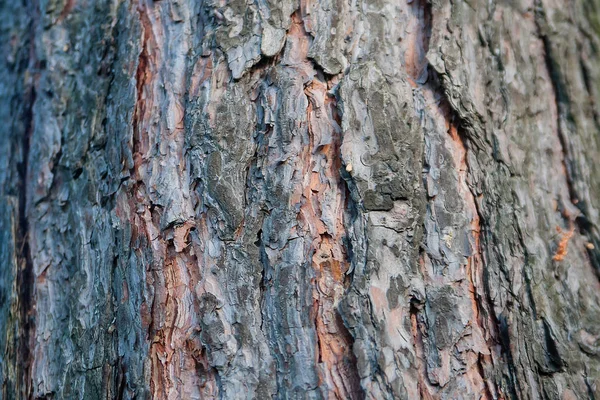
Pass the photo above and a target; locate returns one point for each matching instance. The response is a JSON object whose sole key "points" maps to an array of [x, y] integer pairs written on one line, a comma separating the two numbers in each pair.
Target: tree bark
{"points": [[316, 199]]}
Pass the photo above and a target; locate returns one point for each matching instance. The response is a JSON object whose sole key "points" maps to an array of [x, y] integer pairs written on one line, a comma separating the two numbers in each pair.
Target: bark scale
{"points": [[313, 199]]}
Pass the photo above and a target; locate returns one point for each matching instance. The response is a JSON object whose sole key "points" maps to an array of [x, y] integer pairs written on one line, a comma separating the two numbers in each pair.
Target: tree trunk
{"points": [[314, 199]]}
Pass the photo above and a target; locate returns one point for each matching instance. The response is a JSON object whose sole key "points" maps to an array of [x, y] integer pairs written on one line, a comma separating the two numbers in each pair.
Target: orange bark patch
{"points": [[170, 314], [324, 197], [481, 350], [563, 243]]}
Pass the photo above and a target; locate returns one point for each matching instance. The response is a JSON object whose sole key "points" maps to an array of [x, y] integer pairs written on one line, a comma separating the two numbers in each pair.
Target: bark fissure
{"points": [[329, 259], [25, 279], [174, 344], [425, 386], [474, 272], [25, 276], [492, 329], [577, 218], [426, 78]]}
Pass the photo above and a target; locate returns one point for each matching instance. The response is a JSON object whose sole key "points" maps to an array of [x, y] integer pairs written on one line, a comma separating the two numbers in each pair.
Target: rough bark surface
{"points": [[299, 199]]}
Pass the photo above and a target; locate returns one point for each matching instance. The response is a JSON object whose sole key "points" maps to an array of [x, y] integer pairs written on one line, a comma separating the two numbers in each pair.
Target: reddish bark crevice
{"points": [[175, 344], [418, 37], [139, 229], [25, 275], [474, 267], [325, 191], [330, 259], [426, 391], [68, 7], [492, 326], [143, 76], [423, 77], [24, 307]]}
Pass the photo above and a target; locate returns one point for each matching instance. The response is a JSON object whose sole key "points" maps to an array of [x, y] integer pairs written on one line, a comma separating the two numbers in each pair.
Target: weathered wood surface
{"points": [[316, 199]]}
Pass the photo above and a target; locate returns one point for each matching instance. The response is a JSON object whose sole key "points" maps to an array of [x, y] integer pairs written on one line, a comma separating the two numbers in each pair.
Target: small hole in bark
{"points": [[77, 172], [258, 241]]}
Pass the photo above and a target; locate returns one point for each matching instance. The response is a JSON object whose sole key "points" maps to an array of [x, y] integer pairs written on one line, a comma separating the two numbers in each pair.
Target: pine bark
{"points": [[300, 199]]}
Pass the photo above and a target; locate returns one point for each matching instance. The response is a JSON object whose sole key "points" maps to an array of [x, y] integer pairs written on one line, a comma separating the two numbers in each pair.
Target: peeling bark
{"points": [[299, 199]]}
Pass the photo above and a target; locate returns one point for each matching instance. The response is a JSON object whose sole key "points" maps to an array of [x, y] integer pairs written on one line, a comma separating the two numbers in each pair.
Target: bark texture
{"points": [[300, 199]]}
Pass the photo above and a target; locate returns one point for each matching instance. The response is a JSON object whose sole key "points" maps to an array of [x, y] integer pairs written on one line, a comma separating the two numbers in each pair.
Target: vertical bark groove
{"points": [[561, 101], [25, 327], [25, 276]]}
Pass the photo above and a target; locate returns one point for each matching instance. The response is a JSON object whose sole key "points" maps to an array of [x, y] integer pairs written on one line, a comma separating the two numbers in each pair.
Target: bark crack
{"points": [[330, 258], [475, 272], [25, 275], [25, 280], [562, 101]]}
